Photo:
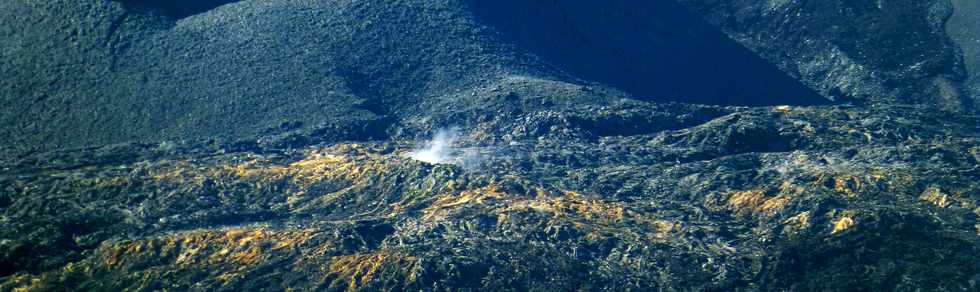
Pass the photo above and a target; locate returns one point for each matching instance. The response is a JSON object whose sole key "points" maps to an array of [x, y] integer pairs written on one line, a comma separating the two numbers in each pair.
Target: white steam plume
{"points": [[439, 150]]}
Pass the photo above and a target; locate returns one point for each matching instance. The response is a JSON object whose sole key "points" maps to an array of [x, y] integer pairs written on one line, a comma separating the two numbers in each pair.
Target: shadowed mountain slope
{"points": [[898, 51], [656, 50], [175, 9], [88, 73], [964, 28]]}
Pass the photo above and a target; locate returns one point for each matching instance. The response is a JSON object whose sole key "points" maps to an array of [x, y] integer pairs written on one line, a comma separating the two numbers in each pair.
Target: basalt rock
{"points": [[838, 198]]}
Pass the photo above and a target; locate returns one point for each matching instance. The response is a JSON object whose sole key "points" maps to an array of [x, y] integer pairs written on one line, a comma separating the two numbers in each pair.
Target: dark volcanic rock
{"points": [[656, 50], [94, 72], [175, 9], [273, 145], [964, 28], [871, 51], [840, 198]]}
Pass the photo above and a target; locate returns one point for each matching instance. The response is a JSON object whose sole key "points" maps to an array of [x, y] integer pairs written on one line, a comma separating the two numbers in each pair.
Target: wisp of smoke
{"points": [[439, 150]]}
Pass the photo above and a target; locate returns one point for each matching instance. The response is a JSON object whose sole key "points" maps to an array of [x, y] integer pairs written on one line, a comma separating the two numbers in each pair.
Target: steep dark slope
{"points": [[92, 72], [88, 73], [174, 9], [873, 51], [656, 50], [964, 28]]}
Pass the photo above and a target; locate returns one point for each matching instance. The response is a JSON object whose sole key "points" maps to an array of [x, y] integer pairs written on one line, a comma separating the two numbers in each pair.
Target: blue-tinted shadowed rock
{"points": [[867, 51], [656, 50], [964, 28], [175, 9], [89, 73]]}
